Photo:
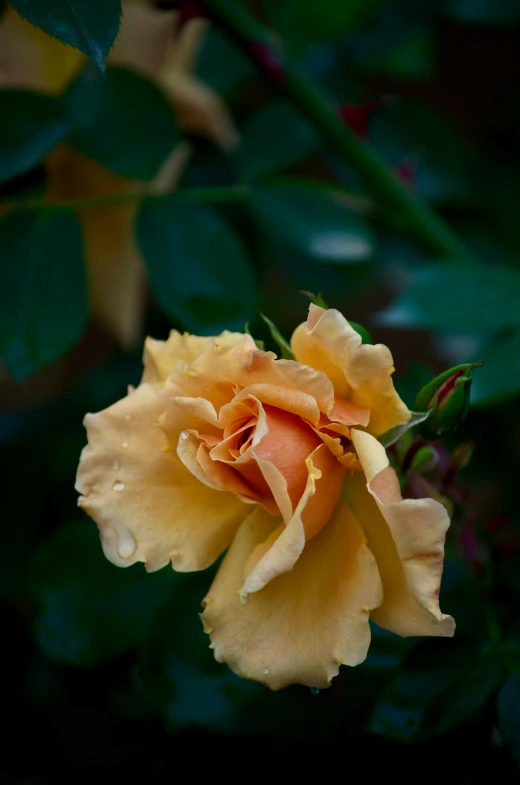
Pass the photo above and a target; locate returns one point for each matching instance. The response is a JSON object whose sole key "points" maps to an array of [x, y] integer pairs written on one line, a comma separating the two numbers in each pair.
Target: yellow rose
{"points": [[225, 445]]}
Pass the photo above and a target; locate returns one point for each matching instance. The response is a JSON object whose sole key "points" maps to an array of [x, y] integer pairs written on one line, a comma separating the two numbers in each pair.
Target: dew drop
{"points": [[126, 545], [128, 416], [184, 435], [314, 691], [118, 486], [265, 671], [124, 444], [115, 465]]}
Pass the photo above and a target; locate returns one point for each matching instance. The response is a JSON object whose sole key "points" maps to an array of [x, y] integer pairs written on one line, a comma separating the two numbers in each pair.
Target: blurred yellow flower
{"points": [[150, 43], [223, 445]]}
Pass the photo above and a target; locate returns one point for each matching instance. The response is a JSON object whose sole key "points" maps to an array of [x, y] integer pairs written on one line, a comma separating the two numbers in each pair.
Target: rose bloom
{"points": [[225, 446]]}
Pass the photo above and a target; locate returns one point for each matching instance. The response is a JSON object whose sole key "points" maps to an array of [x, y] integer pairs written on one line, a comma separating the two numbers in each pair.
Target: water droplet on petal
{"points": [[126, 544], [115, 465], [314, 690], [184, 435], [118, 486], [265, 671], [128, 416], [124, 444]]}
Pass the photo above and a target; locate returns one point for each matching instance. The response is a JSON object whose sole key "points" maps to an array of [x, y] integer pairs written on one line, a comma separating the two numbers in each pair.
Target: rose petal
{"points": [[285, 398], [320, 497], [160, 357], [361, 373], [243, 365], [148, 506], [305, 623], [348, 413], [407, 539], [287, 444]]}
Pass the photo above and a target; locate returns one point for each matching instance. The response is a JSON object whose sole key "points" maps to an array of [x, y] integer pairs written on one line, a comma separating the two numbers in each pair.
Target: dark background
{"points": [[107, 675]]}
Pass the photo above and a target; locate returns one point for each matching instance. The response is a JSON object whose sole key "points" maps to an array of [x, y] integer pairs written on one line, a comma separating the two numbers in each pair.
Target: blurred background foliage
{"points": [[182, 177]]}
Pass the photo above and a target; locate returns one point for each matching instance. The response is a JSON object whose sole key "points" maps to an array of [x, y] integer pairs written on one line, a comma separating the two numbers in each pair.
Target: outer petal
{"points": [[361, 373], [146, 503], [407, 539], [160, 356], [305, 623]]}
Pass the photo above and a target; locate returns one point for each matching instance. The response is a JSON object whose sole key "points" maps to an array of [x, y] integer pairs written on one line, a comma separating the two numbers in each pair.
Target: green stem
{"points": [[319, 107], [225, 194]]}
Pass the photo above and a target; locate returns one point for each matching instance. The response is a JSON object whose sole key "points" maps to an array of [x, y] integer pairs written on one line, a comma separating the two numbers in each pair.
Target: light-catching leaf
{"points": [[199, 269], [318, 222], [88, 25], [43, 289], [394, 434], [482, 298], [499, 379], [122, 120]]}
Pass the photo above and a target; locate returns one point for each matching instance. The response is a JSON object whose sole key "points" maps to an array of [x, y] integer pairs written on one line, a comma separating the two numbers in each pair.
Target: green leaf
{"points": [[329, 19], [440, 684], [179, 669], [411, 58], [275, 138], [402, 131], [220, 64], [394, 434], [362, 331], [508, 705], [88, 25], [316, 221], [478, 298], [284, 346], [88, 610], [199, 270], [500, 377], [33, 125], [502, 12], [43, 289], [122, 120]]}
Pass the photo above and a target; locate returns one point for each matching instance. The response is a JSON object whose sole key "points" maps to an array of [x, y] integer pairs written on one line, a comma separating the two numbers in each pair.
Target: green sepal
{"points": [[284, 346]]}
